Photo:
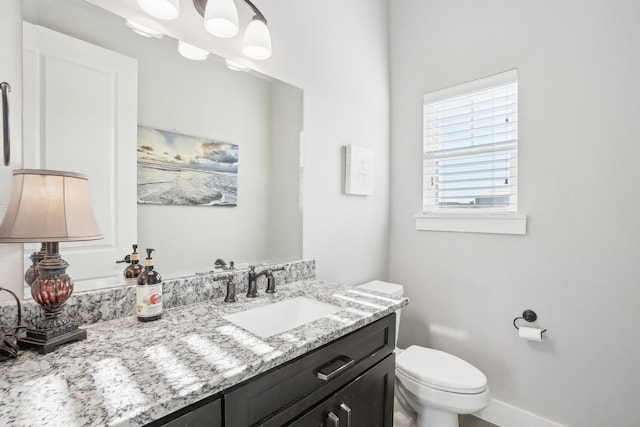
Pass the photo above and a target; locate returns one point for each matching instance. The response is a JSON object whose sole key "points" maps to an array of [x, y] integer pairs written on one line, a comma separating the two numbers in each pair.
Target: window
{"points": [[470, 148]]}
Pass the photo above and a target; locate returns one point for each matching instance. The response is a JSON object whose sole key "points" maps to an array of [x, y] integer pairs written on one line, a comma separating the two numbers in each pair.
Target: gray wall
{"points": [[577, 266], [285, 216]]}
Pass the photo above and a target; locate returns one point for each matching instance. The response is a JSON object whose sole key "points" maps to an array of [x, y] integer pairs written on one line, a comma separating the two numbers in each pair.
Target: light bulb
{"points": [[190, 51], [221, 18], [161, 9], [257, 40]]}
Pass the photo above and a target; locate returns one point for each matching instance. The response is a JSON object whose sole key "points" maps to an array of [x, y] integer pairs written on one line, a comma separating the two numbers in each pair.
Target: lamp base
{"points": [[46, 341], [51, 289]]}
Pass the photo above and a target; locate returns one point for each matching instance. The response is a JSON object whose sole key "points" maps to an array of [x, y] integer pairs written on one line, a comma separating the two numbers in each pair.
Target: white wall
{"points": [[337, 52], [11, 72], [577, 267]]}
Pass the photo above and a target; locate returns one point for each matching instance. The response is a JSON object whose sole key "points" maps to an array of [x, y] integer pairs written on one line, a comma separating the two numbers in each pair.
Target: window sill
{"points": [[473, 223]]}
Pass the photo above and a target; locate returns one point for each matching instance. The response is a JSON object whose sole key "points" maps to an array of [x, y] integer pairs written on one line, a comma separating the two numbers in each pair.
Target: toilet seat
{"points": [[439, 370]]}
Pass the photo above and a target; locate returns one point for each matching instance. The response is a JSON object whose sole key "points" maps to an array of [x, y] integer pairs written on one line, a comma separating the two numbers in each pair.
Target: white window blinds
{"points": [[471, 147]]}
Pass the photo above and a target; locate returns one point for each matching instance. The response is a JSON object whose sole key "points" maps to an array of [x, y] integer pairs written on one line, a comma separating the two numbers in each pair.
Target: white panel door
{"points": [[80, 115]]}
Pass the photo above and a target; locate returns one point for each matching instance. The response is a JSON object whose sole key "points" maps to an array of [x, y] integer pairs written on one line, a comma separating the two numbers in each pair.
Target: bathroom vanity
{"points": [[346, 382], [194, 367]]}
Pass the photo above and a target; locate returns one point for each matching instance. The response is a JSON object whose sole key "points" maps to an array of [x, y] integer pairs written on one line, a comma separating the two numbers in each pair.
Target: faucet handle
{"points": [[231, 287], [219, 263], [271, 282], [231, 291]]}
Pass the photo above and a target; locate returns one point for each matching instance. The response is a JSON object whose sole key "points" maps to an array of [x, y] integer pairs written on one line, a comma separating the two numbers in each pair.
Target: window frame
{"points": [[471, 219]]}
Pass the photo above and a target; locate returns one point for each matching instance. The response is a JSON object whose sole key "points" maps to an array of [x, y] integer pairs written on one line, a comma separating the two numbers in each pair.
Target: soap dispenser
{"points": [[149, 292], [133, 270]]}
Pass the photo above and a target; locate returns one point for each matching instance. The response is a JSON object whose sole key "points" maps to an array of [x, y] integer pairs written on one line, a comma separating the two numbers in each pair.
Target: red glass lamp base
{"points": [[51, 289]]}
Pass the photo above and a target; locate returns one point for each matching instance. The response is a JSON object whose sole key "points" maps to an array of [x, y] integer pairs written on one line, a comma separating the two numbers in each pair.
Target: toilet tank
{"points": [[391, 289]]}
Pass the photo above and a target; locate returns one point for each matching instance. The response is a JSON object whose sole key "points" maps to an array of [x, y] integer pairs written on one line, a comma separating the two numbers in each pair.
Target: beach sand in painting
{"points": [[161, 184]]}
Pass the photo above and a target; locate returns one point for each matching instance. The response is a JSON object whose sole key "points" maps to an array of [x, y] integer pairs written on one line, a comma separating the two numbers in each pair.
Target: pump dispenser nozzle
{"points": [[133, 270]]}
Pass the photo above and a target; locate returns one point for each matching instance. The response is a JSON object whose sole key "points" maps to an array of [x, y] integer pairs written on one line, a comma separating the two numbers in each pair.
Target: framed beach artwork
{"points": [[177, 169], [358, 170]]}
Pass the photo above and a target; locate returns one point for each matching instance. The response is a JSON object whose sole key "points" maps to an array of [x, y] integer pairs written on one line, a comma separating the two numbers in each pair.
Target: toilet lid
{"points": [[440, 370]]}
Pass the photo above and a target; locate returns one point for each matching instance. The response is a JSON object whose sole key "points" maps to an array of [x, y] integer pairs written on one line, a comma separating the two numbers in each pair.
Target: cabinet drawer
{"points": [[206, 413], [367, 401], [279, 395]]}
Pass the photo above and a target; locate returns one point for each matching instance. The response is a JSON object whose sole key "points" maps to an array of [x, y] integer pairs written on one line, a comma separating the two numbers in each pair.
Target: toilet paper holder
{"points": [[529, 316]]}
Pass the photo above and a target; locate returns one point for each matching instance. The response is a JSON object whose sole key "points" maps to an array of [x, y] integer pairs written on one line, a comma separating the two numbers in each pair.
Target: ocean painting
{"points": [[177, 169]]}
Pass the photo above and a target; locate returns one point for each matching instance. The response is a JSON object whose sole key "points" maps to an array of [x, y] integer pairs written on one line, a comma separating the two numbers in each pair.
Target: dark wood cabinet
{"points": [[345, 383], [281, 395], [206, 413], [366, 401]]}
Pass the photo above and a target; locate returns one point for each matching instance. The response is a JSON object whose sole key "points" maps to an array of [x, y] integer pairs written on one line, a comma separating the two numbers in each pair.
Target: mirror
{"points": [[205, 99]]}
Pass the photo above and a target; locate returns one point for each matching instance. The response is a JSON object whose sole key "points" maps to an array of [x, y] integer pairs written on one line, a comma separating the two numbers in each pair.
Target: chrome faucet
{"points": [[252, 291]]}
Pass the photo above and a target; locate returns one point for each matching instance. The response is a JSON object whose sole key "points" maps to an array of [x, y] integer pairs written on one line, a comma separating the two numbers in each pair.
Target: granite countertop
{"points": [[128, 373]]}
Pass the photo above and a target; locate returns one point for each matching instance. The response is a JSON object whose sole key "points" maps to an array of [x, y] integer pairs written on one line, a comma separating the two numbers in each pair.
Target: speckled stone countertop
{"points": [[129, 373]]}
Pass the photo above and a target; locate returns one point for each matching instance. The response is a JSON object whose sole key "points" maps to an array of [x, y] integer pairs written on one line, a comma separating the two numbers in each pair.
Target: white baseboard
{"points": [[505, 415]]}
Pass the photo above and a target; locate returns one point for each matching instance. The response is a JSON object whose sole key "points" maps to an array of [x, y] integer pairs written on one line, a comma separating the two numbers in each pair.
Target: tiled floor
{"points": [[471, 421]]}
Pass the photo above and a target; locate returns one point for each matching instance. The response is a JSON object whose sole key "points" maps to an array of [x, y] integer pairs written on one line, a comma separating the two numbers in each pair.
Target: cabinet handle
{"points": [[347, 412], [333, 368], [332, 420]]}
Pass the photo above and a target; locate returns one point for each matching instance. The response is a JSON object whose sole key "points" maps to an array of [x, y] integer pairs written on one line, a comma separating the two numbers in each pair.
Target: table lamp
{"points": [[49, 207]]}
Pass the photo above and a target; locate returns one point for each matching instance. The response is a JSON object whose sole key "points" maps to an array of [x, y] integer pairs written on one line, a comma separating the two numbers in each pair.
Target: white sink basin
{"points": [[272, 319]]}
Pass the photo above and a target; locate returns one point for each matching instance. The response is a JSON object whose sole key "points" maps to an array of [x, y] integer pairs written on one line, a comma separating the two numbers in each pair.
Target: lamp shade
{"points": [[257, 40], [221, 18], [49, 206]]}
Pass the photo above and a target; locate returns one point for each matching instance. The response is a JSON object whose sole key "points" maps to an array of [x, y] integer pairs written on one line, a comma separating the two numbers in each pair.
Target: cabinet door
{"points": [[80, 114], [365, 402]]}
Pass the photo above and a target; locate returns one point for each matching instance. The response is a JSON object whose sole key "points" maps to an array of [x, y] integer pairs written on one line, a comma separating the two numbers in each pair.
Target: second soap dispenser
{"points": [[149, 292]]}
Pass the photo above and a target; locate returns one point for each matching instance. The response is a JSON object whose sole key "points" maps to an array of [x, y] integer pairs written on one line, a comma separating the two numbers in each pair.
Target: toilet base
{"points": [[402, 416], [435, 418], [405, 415]]}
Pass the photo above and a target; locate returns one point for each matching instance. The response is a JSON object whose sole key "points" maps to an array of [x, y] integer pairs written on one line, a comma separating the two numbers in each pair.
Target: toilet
{"points": [[432, 387]]}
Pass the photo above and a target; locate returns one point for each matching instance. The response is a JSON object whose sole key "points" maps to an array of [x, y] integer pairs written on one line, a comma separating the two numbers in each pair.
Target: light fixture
{"points": [[50, 207], [144, 30], [257, 40], [221, 20], [192, 52], [161, 9]]}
